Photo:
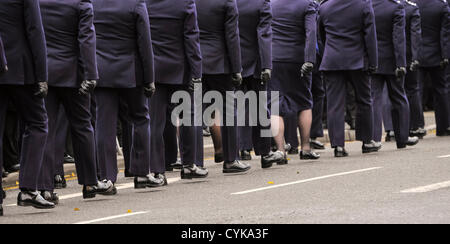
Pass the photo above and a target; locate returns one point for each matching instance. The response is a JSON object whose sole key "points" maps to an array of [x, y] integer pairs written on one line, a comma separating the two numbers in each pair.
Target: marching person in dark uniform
{"points": [[434, 57], [70, 34], [3, 69], [220, 45], [178, 66], [294, 55], [390, 25], [125, 65], [347, 32], [25, 84], [255, 31]]}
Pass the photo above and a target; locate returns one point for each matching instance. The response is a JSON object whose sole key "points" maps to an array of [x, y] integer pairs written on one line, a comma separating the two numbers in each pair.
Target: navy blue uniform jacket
{"points": [[176, 40], [70, 34], [24, 42], [413, 31], [124, 45]]}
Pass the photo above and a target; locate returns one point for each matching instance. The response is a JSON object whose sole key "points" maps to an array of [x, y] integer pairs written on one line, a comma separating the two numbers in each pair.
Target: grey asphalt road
{"points": [[392, 186]]}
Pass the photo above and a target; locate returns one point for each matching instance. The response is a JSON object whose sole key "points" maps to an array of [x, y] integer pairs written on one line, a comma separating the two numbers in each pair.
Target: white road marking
{"points": [[428, 188], [306, 180], [110, 218], [119, 187], [444, 156]]}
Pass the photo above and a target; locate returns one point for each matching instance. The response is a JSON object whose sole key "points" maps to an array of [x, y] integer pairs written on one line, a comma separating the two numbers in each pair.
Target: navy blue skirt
{"points": [[294, 91]]}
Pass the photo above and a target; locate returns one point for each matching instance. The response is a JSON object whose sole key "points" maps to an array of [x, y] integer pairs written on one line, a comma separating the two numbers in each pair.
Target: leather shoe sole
{"points": [[34, 205]]}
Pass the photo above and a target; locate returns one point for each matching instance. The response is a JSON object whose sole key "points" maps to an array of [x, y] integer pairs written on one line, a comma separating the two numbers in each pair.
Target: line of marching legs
{"points": [[139, 61]]}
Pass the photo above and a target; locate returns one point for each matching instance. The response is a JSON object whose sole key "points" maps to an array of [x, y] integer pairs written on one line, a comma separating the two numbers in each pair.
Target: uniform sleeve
{"points": [[264, 30], [445, 32], [370, 35], [192, 40], [311, 33], [416, 34], [144, 42], [3, 62], [321, 36], [399, 36], [87, 40], [232, 36], [36, 38]]}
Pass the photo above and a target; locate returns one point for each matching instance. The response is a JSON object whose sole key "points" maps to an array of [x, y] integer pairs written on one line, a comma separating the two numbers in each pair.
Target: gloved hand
{"points": [[444, 63], [307, 68], [87, 87], [149, 89], [372, 69], [4, 69], [193, 82], [414, 65], [41, 89], [237, 79], [266, 75], [400, 72]]}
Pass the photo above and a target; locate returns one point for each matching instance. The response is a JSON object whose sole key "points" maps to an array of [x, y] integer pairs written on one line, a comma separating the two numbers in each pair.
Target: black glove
{"points": [[87, 87], [400, 72], [444, 63], [307, 68], [193, 82], [149, 89], [371, 70], [41, 89], [4, 69], [414, 65], [237, 79], [266, 75]]}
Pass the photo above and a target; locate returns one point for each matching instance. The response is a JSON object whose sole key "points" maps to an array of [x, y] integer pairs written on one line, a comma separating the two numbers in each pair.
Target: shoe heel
{"points": [[22, 204], [140, 185], [88, 195]]}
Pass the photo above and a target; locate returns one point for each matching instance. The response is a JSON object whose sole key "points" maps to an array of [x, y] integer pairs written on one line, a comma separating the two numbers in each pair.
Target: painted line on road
{"points": [[119, 187], [306, 180], [444, 156], [110, 218], [428, 188]]}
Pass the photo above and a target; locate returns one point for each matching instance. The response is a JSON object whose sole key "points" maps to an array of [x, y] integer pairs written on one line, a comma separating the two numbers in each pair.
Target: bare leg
{"points": [[278, 131], [304, 123]]}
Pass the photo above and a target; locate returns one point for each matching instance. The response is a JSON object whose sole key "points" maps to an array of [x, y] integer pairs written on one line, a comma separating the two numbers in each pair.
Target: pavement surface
{"points": [[391, 186]]}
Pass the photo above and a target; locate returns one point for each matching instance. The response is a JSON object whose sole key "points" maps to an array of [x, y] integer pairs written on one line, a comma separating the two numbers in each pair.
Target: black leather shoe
{"points": [[163, 178], [4, 173], [147, 181], [14, 168], [309, 155], [371, 147], [128, 174], [317, 145], [277, 157], [177, 165], [3, 194], [235, 167], [218, 158], [1, 210], [60, 182], [292, 151], [193, 172], [50, 196], [68, 159], [420, 133], [340, 152], [390, 136], [412, 141], [245, 155], [103, 188], [206, 132], [33, 199]]}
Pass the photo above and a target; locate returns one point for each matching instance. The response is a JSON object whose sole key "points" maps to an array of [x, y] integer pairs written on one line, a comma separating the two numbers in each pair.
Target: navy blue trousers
{"points": [[108, 100], [250, 136], [34, 116], [318, 92], [400, 106], [336, 82], [77, 110], [62, 128], [440, 94]]}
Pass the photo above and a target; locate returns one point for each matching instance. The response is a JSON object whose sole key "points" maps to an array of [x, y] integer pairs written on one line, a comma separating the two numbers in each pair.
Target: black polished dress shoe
{"points": [[4, 173], [163, 178], [3, 194], [33, 199], [420, 133], [102, 187], [218, 158], [177, 165], [206, 132], [68, 159], [193, 172], [245, 155], [1, 210], [235, 167], [371, 147], [412, 141], [50, 196], [309, 155], [317, 145], [13, 168], [292, 151], [147, 181], [277, 157], [390, 136], [340, 152], [60, 182]]}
